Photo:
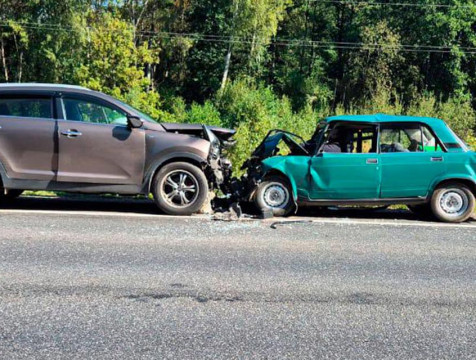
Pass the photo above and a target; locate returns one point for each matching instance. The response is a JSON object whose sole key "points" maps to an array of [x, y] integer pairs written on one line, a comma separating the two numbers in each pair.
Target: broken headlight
{"points": [[215, 149], [215, 145]]}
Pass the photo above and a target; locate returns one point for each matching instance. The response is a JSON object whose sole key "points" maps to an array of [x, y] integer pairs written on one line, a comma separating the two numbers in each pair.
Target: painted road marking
{"points": [[289, 221], [99, 213], [347, 221]]}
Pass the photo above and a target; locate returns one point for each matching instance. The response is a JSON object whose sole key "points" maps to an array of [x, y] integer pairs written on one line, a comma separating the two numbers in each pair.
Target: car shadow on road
{"points": [[84, 203], [359, 213], [90, 203]]}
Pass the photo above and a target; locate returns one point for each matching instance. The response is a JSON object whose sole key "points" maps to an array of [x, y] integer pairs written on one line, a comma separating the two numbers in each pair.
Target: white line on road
{"points": [[98, 213], [397, 223], [288, 221]]}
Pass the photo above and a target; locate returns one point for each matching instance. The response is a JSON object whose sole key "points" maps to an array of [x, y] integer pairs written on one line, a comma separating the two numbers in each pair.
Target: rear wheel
{"points": [[180, 189], [275, 194], [453, 202]]}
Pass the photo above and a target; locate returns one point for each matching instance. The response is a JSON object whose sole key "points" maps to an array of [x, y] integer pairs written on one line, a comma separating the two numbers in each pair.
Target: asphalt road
{"points": [[113, 280]]}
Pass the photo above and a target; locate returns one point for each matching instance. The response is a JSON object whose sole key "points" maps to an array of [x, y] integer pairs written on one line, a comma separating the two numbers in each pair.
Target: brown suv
{"points": [[68, 138]]}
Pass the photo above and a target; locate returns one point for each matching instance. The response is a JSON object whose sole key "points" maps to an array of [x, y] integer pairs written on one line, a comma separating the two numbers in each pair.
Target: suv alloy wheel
{"points": [[180, 189]]}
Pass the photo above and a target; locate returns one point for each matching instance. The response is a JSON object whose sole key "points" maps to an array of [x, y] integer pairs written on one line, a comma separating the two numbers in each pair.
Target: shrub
{"points": [[204, 114], [457, 113], [254, 110]]}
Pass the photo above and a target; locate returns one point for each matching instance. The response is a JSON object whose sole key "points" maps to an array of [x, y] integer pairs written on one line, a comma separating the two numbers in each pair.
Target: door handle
{"points": [[71, 133], [372, 161], [437, 159]]}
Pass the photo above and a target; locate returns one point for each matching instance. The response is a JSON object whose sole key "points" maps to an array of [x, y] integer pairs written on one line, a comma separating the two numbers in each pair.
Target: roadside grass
{"points": [[41, 193]]}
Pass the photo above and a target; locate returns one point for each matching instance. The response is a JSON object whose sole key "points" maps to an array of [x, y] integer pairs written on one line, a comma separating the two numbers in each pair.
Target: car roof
{"points": [[382, 118], [40, 86]]}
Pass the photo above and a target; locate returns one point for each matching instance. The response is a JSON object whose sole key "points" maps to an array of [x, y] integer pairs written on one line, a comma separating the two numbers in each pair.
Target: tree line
{"points": [[253, 64]]}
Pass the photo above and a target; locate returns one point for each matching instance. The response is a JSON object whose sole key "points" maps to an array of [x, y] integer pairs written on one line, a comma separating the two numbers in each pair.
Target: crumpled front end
{"points": [[216, 165], [219, 167], [271, 150]]}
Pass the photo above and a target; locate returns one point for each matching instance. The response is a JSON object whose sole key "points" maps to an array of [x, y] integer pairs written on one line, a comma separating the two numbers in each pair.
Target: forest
{"points": [[253, 65]]}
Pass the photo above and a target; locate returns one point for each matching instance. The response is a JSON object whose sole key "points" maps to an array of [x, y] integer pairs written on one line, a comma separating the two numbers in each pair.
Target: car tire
{"points": [[453, 202], [274, 193], [423, 211], [180, 189]]}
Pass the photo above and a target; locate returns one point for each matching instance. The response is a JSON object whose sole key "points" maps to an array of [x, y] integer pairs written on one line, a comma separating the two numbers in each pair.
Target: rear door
{"points": [[96, 145], [412, 158], [28, 147]]}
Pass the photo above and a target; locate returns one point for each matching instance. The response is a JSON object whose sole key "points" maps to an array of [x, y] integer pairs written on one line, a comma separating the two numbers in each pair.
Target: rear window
{"points": [[26, 107]]}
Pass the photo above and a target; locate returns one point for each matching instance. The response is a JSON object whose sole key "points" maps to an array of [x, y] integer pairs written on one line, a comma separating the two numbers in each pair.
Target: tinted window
{"points": [[92, 112], [26, 107]]}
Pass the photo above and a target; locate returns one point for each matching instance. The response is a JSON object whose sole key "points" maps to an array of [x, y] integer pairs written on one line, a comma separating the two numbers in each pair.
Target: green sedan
{"points": [[367, 160]]}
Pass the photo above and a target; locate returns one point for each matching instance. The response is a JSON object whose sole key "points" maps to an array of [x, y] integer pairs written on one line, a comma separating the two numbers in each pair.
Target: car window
{"points": [[412, 137], [401, 138], [351, 138], [364, 141], [430, 142], [92, 112], [26, 107]]}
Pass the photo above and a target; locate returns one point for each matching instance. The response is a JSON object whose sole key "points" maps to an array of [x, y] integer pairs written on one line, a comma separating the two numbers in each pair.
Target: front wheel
{"points": [[275, 194], [180, 189], [453, 202]]}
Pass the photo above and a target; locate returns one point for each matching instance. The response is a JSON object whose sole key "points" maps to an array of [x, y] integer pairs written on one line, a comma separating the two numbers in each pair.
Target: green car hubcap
{"points": [[276, 195], [454, 202]]}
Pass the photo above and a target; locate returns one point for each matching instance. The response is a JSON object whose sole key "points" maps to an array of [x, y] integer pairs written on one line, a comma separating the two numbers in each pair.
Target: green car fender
{"points": [[292, 168], [459, 167]]}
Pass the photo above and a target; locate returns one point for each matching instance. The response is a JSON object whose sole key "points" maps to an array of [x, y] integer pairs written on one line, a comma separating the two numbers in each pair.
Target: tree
{"points": [[254, 22], [115, 65]]}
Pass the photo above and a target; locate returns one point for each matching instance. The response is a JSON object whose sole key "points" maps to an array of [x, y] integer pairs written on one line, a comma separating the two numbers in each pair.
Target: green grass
{"points": [[40, 193]]}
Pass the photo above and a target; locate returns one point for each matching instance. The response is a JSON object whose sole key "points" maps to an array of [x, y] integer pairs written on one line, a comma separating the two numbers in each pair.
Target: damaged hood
{"points": [[197, 130], [270, 145]]}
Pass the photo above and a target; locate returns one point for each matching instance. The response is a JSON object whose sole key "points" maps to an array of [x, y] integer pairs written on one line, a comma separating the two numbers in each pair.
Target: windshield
{"points": [[141, 114]]}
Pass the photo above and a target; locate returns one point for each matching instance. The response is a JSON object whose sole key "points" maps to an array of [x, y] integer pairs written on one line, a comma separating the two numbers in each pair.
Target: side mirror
{"points": [[134, 122]]}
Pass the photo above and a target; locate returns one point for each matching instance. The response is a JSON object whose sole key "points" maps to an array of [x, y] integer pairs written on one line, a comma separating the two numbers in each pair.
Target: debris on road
{"points": [[280, 223]]}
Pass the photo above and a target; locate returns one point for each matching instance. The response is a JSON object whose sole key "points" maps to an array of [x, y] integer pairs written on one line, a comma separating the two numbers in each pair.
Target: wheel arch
{"points": [[160, 163], [463, 180]]}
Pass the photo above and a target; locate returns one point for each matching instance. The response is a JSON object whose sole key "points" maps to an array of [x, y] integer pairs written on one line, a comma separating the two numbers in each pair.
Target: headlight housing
{"points": [[215, 145]]}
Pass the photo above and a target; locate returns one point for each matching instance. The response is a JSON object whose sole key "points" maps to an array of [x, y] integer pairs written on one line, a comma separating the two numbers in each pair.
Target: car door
{"points": [[351, 174], [96, 145], [411, 159], [28, 149]]}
